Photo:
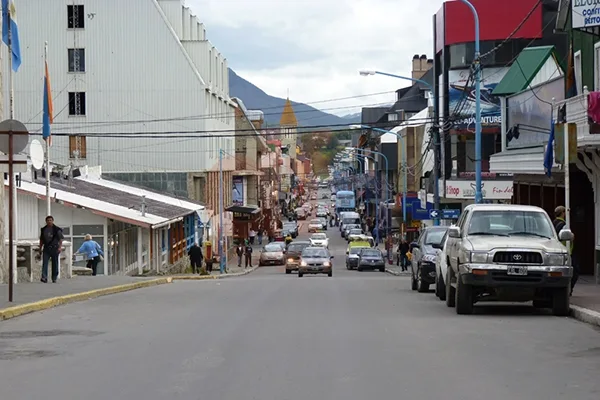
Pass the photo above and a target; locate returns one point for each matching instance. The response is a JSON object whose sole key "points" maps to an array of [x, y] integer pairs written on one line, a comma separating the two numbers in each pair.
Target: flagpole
{"points": [[12, 201], [47, 160]]}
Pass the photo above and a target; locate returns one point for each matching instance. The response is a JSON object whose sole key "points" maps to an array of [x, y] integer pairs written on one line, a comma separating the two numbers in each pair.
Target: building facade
{"points": [[122, 106]]}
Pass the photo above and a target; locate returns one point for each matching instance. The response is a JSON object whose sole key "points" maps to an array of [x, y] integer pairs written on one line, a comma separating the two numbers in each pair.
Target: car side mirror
{"points": [[347, 252], [436, 245], [414, 246], [332, 257], [565, 235], [454, 232]]}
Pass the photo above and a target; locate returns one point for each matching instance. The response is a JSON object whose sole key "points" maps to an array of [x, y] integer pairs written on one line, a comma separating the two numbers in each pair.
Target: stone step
{"points": [[82, 271]]}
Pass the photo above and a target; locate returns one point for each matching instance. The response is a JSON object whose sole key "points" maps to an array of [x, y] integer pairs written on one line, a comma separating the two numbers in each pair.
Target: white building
{"points": [[118, 67]]}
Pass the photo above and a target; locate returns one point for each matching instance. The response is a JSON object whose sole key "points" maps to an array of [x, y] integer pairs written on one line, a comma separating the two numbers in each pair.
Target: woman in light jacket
{"points": [[93, 253]]}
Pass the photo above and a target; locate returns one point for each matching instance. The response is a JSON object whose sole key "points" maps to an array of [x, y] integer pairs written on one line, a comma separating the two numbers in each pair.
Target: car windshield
{"points": [[435, 236], [319, 236], [348, 221], [312, 252], [355, 231], [511, 223], [297, 247], [290, 225], [371, 253], [356, 250], [272, 248], [315, 221]]}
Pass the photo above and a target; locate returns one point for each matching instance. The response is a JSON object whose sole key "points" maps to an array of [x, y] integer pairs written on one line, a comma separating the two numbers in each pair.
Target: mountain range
{"points": [[256, 99]]}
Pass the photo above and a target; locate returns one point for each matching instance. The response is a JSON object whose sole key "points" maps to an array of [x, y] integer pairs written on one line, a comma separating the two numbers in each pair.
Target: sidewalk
{"points": [[585, 302]]}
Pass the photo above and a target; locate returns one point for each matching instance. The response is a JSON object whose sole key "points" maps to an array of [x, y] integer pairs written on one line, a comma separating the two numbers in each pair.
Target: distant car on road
{"points": [[371, 259], [315, 260], [292, 228], [319, 240], [272, 254], [353, 255], [315, 225], [354, 234], [294, 251]]}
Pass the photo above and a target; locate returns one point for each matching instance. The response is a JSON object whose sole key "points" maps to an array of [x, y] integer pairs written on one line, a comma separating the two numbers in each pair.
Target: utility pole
{"points": [[221, 210]]}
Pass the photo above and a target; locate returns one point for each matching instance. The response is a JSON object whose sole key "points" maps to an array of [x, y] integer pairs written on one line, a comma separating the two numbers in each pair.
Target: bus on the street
{"points": [[345, 200]]}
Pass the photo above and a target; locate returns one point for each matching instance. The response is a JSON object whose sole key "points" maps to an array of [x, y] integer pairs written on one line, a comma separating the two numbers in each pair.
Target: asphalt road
{"points": [[272, 336]]}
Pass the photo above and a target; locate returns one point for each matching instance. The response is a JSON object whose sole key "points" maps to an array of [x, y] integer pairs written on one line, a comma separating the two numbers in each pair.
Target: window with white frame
{"points": [[577, 66]]}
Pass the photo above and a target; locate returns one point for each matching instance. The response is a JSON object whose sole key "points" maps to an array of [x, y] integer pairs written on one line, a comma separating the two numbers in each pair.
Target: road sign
{"points": [[433, 214], [450, 213]]}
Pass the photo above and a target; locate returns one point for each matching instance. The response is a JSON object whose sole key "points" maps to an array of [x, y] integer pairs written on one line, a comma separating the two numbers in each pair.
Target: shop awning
{"points": [[243, 209]]}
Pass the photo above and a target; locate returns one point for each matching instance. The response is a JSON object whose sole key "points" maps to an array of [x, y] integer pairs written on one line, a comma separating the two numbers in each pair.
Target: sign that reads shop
{"points": [[491, 190], [585, 13]]}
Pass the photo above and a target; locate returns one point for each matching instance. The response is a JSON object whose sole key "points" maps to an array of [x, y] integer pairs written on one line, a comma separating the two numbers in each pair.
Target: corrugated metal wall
{"points": [[151, 86]]}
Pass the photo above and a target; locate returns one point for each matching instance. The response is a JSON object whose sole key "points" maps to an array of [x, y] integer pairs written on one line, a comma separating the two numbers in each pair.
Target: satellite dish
{"points": [[36, 153]]}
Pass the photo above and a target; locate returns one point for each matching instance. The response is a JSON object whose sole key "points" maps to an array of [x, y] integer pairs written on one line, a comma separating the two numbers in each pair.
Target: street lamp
{"points": [[436, 141]]}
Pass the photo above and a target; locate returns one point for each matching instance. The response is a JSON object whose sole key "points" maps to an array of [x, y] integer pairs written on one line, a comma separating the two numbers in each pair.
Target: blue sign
{"points": [[433, 214], [450, 213]]}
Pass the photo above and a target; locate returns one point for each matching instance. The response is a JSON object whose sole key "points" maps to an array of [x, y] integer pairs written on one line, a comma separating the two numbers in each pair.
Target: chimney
{"points": [[420, 65]]}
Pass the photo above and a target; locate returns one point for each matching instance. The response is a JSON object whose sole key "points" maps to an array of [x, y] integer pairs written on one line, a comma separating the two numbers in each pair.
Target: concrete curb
{"points": [[585, 315], [22, 309], [211, 277], [396, 273]]}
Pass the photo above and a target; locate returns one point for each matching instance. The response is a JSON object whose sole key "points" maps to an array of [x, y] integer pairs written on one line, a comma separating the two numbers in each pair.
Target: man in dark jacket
{"points": [[248, 254], [51, 238], [403, 250], [560, 223], [196, 257]]}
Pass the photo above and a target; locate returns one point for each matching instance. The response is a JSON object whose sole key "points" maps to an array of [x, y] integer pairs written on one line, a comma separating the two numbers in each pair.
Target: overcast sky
{"points": [[314, 48]]}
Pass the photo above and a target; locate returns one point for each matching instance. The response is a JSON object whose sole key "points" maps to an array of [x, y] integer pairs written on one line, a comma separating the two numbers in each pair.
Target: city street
{"points": [[268, 335]]}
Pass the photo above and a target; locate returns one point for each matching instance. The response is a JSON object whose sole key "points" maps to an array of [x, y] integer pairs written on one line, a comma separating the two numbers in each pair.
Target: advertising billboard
{"points": [[585, 13], [461, 98]]}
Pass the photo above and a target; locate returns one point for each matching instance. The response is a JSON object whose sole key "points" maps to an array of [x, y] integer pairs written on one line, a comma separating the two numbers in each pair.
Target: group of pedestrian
{"points": [[244, 253]]}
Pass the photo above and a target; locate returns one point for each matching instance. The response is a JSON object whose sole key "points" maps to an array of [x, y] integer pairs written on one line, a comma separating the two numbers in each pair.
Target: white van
{"points": [[349, 217]]}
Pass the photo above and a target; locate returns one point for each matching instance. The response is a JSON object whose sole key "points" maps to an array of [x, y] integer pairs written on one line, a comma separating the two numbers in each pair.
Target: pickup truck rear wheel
{"points": [[561, 302], [464, 298], [450, 291]]}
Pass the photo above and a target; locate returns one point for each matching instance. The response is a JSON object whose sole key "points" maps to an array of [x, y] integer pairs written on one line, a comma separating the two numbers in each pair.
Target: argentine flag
{"points": [[9, 15]]}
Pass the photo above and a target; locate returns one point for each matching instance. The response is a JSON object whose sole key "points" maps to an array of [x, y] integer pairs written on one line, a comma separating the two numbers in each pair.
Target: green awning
{"points": [[524, 69]]}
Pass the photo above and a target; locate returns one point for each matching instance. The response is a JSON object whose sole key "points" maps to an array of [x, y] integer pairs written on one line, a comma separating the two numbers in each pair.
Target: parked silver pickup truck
{"points": [[507, 252]]}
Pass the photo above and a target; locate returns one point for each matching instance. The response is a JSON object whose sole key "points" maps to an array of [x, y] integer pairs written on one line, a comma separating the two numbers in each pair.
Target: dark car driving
{"points": [[371, 259], [292, 228], [424, 255], [294, 251], [315, 260]]}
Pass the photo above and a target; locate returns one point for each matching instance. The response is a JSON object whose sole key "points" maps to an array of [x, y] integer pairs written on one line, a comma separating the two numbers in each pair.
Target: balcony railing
{"points": [[576, 109]]}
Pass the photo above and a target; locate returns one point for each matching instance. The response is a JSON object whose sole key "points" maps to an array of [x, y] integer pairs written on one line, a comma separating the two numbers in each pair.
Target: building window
{"points": [[76, 60], [577, 66], [392, 117], [76, 17], [77, 147], [76, 103]]}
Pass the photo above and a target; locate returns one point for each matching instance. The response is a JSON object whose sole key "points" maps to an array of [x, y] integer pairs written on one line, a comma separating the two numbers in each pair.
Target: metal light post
{"points": [[221, 210], [477, 66], [436, 135], [376, 203]]}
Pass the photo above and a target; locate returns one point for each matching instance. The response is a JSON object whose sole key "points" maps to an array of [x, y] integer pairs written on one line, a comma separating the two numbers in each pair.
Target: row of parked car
{"points": [[503, 252]]}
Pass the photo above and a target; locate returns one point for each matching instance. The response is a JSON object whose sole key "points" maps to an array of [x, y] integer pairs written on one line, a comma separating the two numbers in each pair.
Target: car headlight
{"points": [[290, 260], [428, 258], [477, 256], [558, 259], [327, 264], [303, 263]]}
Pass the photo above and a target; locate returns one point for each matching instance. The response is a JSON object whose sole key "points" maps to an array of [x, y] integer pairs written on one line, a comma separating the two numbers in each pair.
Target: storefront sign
{"points": [[491, 190], [242, 216], [585, 13]]}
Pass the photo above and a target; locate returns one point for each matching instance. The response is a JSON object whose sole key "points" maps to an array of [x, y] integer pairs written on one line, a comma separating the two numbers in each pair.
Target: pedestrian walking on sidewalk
{"points": [[93, 253], [403, 249], [248, 255], [51, 238], [252, 236], [196, 258], [239, 251], [260, 236], [560, 223]]}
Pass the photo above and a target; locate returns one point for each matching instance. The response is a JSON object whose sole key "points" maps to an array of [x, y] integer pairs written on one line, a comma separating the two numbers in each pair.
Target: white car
{"points": [[441, 269], [354, 234], [315, 225], [319, 240]]}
